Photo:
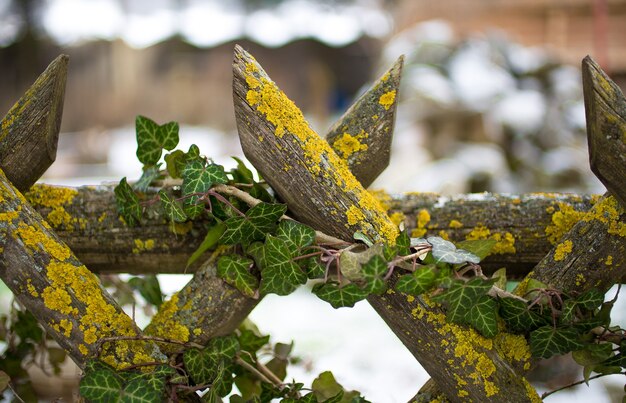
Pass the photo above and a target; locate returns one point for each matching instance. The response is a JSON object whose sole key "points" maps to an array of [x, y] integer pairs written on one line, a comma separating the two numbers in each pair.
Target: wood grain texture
{"points": [[299, 165], [362, 135], [605, 109], [30, 130]]}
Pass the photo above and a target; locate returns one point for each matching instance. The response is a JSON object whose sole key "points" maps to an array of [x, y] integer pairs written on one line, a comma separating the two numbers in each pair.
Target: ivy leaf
{"points": [[139, 390], [591, 299], [359, 236], [446, 251], [479, 247], [173, 209], [351, 261], [418, 282], [257, 251], [403, 244], [315, 268], [518, 317], [373, 272], [251, 342], [127, 202], [339, 297], [258, 221], [102, 385], [153, 138], [147, 177], [212, 236], [325, 386], [296, 235], [149, 288], [548, 341], [197, 180], [500, 277], [235, 270], [175, 162], [203, 366], [460, 297], [593, 354], [568, 313], [242, 174], [27, 327], [483, 317], [281, 275]]}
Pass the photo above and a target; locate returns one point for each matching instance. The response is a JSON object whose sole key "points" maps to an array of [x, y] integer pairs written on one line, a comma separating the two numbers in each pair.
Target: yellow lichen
{"points": [[514, 348], [56, 199], [562, 221], [562, 250], [346, 145], [531, 392], [31, 288], [97, 317], [397, 218], [288, 120], [102, 217], [387, 99], [83, 349], [423, 218], [9, 216], [455, 224], [35, 239], [197, 331], [164, 323], [142, 246], [505, 242], [580, 279], [354, 215], [383, 198], [609, 260], [66, 325]]}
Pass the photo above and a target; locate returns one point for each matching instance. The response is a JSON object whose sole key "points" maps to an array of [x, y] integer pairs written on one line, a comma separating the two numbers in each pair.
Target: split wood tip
{"points": [[605, 110]]}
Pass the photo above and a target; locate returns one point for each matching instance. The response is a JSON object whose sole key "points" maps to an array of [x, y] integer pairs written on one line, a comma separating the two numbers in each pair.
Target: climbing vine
{"points": [[260, 250]]}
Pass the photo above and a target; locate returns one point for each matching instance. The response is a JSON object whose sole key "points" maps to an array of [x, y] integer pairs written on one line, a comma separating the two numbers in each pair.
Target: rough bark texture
{"points": [[86, 219], [65, 297], [465, 365], [299, 165], [29, 132], [363, 134], [605, 109]]}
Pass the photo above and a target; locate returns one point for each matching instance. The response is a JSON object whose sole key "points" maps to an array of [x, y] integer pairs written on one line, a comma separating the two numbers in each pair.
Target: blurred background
{"points": [[491, 100]]}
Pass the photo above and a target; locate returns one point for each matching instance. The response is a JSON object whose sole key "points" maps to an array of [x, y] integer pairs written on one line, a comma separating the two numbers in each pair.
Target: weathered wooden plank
{"points": [[363, 134], [314, 183], [605, 109], [65, 297], [30, 130], [526, 227]]}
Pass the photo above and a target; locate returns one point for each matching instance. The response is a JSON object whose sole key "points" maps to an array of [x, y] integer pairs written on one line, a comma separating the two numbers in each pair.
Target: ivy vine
{"points": [[270, 253]]}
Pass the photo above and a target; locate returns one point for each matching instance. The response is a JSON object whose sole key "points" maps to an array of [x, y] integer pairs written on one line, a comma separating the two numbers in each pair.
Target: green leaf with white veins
{"points": [[373, 272], [197, 180], [173, 209], [127, 202], [147, 177], [339, 297], [483, 316], [258, 221], [548, 341], [139, 390], [281, 275], [519, 317], [152, 138], [235, 270], [418, 282], [295, 235], [460, 297], [446, 251], [102, 385]]}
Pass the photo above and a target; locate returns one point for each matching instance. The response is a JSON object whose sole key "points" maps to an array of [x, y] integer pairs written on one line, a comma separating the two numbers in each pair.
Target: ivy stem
{"points": [[225, 201], [256, 371], [543, 396], [320, 237], [417, 253]]}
